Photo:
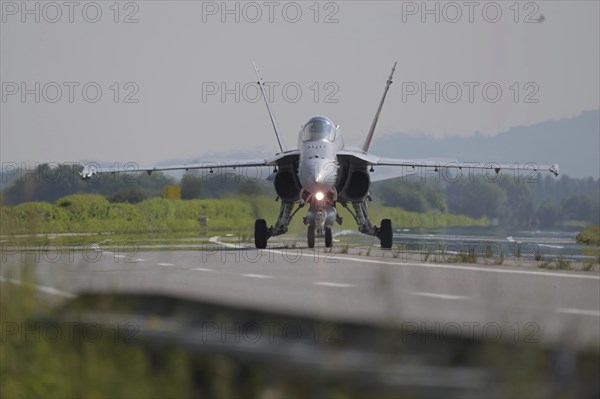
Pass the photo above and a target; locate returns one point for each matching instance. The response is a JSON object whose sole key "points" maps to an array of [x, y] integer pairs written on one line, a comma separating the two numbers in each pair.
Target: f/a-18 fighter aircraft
{"points": [[322, 173]]}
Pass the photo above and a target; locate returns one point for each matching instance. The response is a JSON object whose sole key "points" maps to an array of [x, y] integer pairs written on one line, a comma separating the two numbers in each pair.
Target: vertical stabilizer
{"points": [[260, 84], [372, 129]]}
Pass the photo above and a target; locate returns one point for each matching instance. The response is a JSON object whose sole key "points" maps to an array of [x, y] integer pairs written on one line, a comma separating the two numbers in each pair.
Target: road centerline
{"points": [[252, 275], [583, 312], [332, 284], [441, 296]]}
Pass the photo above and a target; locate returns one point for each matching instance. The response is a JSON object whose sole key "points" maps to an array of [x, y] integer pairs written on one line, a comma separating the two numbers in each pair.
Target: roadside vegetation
{"points": [[589, 236], [531, 201], [73, 349], [36, 362], [82, 213]]}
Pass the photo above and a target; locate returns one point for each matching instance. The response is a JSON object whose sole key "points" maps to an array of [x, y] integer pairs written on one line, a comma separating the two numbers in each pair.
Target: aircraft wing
{"points": [[407, 166], [91, 170], [361, 156]]}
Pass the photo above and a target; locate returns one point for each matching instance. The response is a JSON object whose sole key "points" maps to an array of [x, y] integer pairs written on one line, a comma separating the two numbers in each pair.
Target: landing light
{"points": [[319, 196]]}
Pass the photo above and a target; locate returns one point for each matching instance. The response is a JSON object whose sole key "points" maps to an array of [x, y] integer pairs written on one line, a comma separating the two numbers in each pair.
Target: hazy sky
{"points": [[162, 74]]}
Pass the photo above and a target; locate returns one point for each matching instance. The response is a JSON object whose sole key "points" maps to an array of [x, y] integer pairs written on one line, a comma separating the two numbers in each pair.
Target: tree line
{"points": [[543, 201], [525, 202]]}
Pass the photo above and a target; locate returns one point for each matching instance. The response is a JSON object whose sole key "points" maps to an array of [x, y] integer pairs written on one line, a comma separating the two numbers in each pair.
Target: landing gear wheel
{"points": [[310, 236], [386, 234], [328, 238], [260, 233]]}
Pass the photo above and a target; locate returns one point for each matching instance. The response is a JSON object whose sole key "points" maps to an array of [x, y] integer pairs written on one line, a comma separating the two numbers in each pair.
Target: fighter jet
{"points": [[321, 174]]}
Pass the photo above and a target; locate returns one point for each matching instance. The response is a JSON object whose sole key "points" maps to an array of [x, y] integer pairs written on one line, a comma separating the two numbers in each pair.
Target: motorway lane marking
{"points": [[330, 284], [584, 312], [123, 256], [251, 275], [41, 288], [165, 264], [202, 269], [440, 296], [471, 268], [428, 265]]}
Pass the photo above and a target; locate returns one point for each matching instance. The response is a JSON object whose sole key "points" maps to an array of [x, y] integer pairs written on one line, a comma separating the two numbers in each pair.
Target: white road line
{"points": [[256, 275], [330, 284], [584, 312], [41, 288], [472, 268], [165, 264], [440, 296], [202, 269], [433, 265]]}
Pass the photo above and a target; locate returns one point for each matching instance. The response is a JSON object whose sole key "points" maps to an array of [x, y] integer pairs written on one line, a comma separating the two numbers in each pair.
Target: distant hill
{"points": [[573, 143]]}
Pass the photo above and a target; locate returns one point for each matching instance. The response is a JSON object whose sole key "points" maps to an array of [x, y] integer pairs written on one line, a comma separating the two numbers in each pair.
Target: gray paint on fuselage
{"points": [[318, 167]]}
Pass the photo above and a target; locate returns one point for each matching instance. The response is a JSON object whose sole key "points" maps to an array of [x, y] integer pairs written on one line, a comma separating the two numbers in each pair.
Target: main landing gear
{"points": [[386, 234], [319, 222], [360, 213], [261, 233]]}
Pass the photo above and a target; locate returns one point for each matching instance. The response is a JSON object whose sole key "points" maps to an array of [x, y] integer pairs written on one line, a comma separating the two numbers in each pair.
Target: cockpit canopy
{"points": [[318, 128]]}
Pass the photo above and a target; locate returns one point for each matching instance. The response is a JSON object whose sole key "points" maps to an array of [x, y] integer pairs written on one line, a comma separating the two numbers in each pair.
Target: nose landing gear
{"points": [[310, 236], [328, 237], [325, 231], [319, 220]]}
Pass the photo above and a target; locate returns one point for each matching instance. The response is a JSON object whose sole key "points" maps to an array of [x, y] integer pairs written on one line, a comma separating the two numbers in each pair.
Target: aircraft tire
{"points": [[386, 234], [328, 237], [260, 233], [310, 236]]}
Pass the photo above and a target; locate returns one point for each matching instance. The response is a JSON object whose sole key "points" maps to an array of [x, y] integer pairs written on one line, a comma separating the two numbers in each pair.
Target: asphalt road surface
{"points": [[491, 302]]}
